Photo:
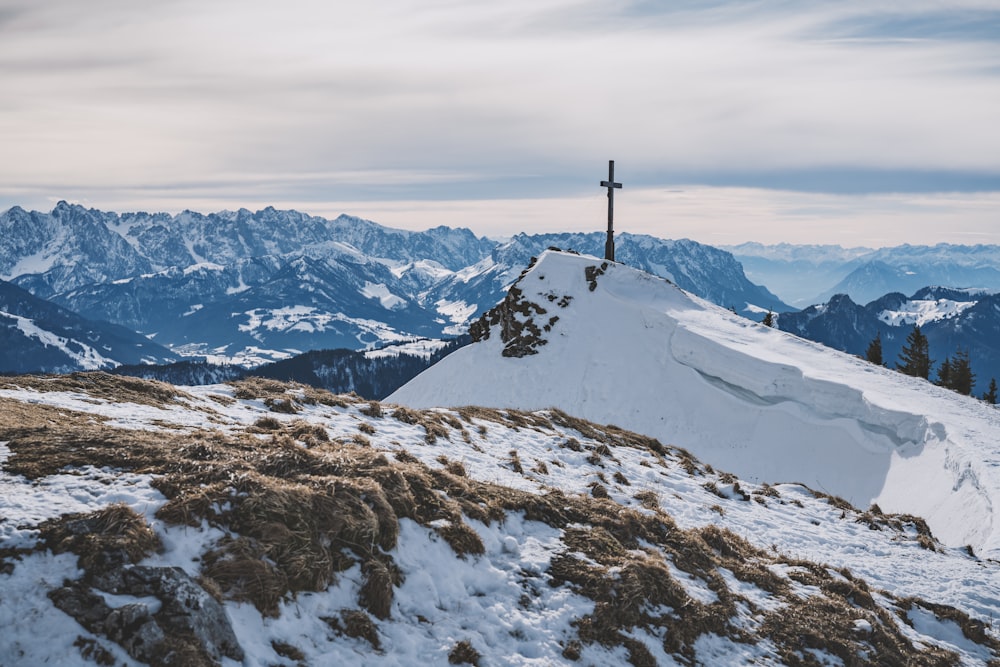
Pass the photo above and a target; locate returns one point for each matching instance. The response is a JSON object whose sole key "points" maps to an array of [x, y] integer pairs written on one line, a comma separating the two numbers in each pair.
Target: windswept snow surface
{"points": [[640, 353]]}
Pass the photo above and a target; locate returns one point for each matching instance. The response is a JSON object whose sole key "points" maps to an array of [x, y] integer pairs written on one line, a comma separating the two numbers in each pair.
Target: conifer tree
{"points": [[768, 320], [874, 352], [915, 358], [945, 374], [962, 377], [991, 394]]}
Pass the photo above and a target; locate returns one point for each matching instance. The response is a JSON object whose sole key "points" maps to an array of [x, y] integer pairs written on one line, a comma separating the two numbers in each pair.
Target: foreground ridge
{"points": [[316, 527]]}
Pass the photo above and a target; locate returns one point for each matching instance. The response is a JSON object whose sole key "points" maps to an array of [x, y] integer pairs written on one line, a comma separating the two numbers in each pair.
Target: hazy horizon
{"points": [[856, 123]]}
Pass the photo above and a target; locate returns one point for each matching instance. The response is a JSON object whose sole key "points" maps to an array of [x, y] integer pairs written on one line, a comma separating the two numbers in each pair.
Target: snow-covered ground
{"points": [[480, 599], [635, 351]]}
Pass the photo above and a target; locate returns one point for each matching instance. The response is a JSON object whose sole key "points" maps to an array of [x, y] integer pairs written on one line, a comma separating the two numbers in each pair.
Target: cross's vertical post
{"points": [[609, 245]]}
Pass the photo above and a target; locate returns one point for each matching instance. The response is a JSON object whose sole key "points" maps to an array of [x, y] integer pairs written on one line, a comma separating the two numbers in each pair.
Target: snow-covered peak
{"points": [[619, 346], [922, 311]]}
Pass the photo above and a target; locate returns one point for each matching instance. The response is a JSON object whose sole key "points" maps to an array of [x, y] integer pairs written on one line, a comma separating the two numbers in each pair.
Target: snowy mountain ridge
{"points": [[633, 350], [204, 285]]}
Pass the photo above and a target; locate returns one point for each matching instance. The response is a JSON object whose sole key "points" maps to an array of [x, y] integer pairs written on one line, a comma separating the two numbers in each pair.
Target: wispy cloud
{"points": [[403, 101]]}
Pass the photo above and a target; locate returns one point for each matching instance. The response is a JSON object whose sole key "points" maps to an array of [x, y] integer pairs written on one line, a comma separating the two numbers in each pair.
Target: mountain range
{"points": [[951, 319], [811, 274], [36, 334], [255, 287]]}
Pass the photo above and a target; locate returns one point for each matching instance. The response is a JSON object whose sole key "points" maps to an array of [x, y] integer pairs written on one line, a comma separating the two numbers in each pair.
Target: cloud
{"points": [[399, 100]]}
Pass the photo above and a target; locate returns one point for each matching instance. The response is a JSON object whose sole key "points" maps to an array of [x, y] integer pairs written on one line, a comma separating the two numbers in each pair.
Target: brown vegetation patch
{"points": [[357, 624], [102, 540], [100, 385], [295, 394], [463, 653]]}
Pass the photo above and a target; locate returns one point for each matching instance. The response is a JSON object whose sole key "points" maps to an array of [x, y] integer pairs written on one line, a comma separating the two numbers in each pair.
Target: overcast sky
{"points": [[860, 123]]}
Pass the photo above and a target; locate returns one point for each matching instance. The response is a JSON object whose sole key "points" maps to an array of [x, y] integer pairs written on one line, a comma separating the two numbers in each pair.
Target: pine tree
{"points": [[874, 352], [945, 378], [915, 358], [768, 320], [991, 394], [962, 377]]}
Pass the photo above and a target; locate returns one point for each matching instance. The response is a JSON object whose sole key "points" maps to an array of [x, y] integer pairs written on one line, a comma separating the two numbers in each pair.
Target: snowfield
{"points": [[642, 354]]}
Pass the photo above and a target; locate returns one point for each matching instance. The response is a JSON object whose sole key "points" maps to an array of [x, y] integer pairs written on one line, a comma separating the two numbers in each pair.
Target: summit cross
{"points": [[609, 245]]}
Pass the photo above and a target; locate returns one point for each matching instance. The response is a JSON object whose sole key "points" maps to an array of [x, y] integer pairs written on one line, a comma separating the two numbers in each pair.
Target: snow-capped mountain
{"points": [[806, 275], [709, 272], [951, 319], [254, 287], [619, 346], [38, 336]]}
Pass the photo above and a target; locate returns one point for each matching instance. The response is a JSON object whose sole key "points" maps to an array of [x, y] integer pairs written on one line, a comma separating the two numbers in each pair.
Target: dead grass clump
{"points": [[239, 568], [267, 424], [253, 388], [573, 444], [41, 449], [515, 462], [835, 501], [598, 490], [828, 624], [469, 413], [648, 499], [376, 590], [284, 405], [462, 539], [687, 461], [307, 433], [621, 479], [463, 653], [357, 624], [404, 456], [596, 543], [98, 384], [366, 428], [373, 409], [456, 468], [406, 415], [102, 540]]}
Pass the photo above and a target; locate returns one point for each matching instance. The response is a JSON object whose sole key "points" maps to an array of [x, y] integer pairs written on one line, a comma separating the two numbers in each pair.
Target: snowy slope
{"points": [[502, 560], [626, 348]]}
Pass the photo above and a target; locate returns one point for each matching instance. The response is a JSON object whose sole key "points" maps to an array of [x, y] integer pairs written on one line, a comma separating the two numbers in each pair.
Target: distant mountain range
{"points": [[36, 335], [951, 319], [250, 288], [812, 274]]}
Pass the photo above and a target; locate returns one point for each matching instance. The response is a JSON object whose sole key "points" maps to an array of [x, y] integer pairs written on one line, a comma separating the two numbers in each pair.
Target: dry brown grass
{"points": [[299, 509], [463, 653], [100, 385], [355, 623], [102, 540]]}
